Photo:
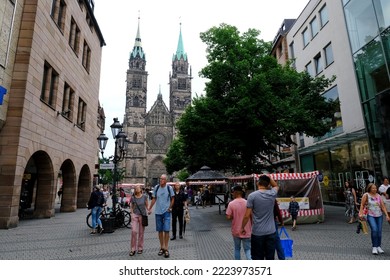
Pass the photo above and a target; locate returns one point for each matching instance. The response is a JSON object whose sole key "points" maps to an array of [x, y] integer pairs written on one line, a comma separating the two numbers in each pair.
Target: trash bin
{"points": [[108, 224]]}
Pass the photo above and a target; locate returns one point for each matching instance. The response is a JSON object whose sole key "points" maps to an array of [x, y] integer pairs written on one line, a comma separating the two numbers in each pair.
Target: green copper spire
{"points": [[137, 50], [180, 49]]}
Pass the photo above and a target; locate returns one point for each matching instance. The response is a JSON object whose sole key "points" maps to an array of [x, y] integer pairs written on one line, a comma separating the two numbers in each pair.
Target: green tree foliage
{"points": [[252, 104]]}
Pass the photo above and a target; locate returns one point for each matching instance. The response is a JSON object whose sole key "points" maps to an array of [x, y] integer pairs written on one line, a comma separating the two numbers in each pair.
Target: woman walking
{"points": [[372, 204], [350, 202], [138, 207]]}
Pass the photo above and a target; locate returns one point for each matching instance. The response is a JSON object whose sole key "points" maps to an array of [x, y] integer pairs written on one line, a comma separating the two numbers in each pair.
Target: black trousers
{"points": [[177, 215]]}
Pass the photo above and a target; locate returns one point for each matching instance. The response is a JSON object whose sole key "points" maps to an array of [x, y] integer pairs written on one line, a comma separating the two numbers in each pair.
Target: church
{"points": [[151, 133]]}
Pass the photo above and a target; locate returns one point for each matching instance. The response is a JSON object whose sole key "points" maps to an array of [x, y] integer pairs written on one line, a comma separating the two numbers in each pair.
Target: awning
{"points": [[199, 183], [334, 141]]}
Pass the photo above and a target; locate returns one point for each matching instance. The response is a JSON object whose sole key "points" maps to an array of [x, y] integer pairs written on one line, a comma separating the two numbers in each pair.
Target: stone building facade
{"points": [[51, 111], [150, 133]]}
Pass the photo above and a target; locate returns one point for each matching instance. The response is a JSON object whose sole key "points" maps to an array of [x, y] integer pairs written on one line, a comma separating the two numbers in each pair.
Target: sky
{"points": [[160, 23]]}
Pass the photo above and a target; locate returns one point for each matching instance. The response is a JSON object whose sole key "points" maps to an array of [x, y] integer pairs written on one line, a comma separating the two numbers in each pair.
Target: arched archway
{"points": [[69, 187], [43, 187], [156, 168], [84, 187]]}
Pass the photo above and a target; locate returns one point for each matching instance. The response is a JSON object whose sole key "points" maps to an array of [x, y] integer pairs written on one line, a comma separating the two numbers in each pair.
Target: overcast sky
{"points": [[159, 28]]}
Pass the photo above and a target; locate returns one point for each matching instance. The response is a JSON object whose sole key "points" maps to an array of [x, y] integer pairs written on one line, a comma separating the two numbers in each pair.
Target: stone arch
{"points": [[44, 186], [84, 187], [69, 188]]}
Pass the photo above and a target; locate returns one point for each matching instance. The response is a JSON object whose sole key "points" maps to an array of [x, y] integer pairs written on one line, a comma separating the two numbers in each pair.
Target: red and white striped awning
{"points": [[277, 176]]}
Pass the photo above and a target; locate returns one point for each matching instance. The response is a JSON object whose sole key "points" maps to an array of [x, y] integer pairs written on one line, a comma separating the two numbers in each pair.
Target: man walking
{"points": [[235, 212], [163, 197], [179, 204], [260, 206]]}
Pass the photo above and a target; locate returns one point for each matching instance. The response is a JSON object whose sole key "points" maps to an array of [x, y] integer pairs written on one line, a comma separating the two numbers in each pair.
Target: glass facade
{"points": [[368, 25], [345, 162]]}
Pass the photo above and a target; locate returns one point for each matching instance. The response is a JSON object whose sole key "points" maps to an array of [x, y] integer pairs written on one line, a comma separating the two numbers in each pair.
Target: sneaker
{"points": [[374, 251], [93, 232], [101, 230], [380, 251]]}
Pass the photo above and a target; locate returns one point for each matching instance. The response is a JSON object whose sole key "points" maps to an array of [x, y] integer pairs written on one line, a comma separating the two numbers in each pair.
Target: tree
{"points": [[252, 104]]}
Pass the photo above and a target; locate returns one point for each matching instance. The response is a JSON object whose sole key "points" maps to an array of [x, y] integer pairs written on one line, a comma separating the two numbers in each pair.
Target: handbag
{"points": [[286, 242], [145, 220]]}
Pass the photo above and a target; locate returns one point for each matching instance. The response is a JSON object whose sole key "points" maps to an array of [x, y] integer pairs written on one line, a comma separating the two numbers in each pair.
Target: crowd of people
{"points": [[254, 220]]}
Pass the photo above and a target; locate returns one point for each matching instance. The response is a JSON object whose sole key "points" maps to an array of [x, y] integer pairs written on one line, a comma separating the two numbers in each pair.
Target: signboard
{"points": [[106, 166]]}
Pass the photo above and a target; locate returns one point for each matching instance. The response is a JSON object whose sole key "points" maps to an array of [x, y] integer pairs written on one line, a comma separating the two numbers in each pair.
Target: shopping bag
{"points": [[287, 243]]}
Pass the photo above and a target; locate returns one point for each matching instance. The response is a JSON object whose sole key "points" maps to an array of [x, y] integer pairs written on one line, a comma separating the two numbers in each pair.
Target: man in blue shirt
{"points": [[163, 197], [260, 206]]}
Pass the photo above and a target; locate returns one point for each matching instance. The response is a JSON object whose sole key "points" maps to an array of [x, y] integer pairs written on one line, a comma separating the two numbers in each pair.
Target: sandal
{"points": [[139, 252], [132, 253], [166, 254], [161, 252]]}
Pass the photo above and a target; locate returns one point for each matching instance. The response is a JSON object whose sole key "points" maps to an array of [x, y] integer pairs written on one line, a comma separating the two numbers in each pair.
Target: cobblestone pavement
{"points": [[207, 237]]}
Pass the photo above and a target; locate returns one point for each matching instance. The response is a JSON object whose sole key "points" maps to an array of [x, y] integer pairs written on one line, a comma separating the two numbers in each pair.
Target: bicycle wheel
{"points": [[126, 219], [89, 220]]}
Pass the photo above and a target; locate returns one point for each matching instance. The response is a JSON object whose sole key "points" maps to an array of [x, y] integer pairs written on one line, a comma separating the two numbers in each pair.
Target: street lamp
{"points": [[119, 154], [102, 140]]}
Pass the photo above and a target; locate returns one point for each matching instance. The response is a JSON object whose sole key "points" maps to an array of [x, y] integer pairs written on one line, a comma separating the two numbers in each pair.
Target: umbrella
{"points": [[186, 219]]}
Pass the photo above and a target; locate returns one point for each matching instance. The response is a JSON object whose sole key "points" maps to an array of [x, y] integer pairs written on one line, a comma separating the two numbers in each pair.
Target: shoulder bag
{"points": [[145, 221]]}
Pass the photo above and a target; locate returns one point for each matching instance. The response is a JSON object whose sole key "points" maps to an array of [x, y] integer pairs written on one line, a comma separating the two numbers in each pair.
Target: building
{"points": [[51, 114], [318, 43], [150, 133], [368, 29]]}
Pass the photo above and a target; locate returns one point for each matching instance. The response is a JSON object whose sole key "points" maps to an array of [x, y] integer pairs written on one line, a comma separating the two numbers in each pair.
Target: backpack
{"points": [[169, 191], [100, 199]]}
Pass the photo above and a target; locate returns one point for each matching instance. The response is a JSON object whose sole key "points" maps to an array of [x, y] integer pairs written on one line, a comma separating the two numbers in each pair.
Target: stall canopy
{"points": [[304, 186], [206, 176]]}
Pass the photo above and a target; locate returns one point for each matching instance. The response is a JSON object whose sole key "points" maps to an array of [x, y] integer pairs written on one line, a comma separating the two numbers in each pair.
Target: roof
{"points": [[206, 174]]}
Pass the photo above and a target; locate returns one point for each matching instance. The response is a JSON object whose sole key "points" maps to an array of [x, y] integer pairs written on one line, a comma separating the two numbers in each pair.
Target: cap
{"points": [[238, 189]]}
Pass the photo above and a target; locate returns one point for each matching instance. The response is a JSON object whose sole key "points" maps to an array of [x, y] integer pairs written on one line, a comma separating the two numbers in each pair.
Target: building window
{"points": [[301, 140], [58, 11], [361, 23], [49, 85], [306, 37], [86, 56], [324, 16], [182, 84], [382, 9], [137, 82], [328, 54], [67, 102], [292, 54], [318, 63], [81, 114], [309, 69], [74, 36], [314, 27], [336, 122], [7, 9]]}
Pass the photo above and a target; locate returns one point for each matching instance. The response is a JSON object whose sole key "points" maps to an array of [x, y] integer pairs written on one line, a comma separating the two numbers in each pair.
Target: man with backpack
{"points": [[95, 203], [163, 197]]}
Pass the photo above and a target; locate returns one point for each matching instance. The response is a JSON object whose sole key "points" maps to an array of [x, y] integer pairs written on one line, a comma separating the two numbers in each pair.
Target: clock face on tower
{"points": [[159, 139]]}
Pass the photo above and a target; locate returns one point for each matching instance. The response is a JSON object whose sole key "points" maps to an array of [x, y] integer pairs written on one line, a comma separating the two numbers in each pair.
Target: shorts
{"points": [[163, 222], [294, 216]]}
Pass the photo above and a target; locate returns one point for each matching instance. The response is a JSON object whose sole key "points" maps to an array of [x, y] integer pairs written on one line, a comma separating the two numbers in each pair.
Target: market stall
{"points": [[304, 186]]}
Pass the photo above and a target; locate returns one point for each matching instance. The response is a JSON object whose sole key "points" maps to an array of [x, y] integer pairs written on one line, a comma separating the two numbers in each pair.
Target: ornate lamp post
{"points": [[102, 140], [119, 154]]}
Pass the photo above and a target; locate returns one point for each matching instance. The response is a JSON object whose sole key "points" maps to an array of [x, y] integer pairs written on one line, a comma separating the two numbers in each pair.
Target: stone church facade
{"points": [[151, 132]]}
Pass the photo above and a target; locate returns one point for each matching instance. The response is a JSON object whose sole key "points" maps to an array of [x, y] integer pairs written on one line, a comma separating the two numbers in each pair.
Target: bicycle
{"points": [[122, 217]]}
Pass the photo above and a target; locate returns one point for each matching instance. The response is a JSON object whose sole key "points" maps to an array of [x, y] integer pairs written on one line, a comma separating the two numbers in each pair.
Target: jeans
{"points": [[263, 246], [376, 229], [278, 244], [96, 216], [246, 244]]}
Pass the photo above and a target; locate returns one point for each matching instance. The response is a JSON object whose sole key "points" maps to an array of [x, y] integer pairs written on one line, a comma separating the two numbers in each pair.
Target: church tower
{"points": [[179, 82], [135, 113]]}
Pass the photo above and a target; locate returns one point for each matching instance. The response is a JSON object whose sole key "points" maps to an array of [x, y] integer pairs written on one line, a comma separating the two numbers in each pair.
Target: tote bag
{"points": [[287, 243]]}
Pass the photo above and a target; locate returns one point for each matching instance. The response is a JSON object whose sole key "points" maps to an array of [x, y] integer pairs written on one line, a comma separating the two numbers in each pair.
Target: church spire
{"points": [[180, 48], [137, 49]]}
